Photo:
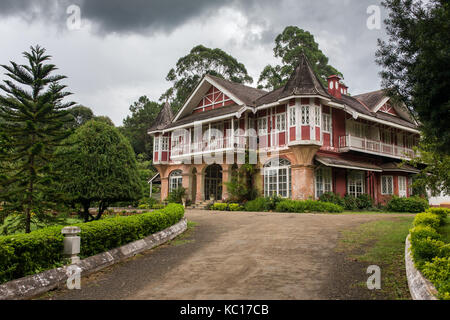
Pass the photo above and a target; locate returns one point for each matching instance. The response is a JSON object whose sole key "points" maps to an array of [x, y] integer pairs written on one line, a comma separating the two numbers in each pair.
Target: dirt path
{"points": [[232, 256]]}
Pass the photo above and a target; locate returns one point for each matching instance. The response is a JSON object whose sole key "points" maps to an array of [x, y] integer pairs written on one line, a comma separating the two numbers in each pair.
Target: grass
{"points": [[381, 243], [373, 212], [182, 238], [9, 221]]}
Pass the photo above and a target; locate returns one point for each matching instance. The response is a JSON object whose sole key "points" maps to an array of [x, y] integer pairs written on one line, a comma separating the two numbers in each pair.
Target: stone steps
{"points": [[202, 205]]}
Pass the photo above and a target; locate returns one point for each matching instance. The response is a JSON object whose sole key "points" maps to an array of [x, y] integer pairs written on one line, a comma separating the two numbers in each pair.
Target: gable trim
{"points": [[379, 105]]}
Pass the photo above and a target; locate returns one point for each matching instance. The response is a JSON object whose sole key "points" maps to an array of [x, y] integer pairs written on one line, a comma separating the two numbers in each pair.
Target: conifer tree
{"points": [[33, 115]]}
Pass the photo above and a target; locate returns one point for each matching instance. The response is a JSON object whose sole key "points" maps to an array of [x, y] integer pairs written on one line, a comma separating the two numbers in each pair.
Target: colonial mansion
{"points": [[306, 140]]}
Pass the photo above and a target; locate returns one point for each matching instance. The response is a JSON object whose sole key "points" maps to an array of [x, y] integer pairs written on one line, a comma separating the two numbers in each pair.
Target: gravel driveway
{"points": [[231, 255]]}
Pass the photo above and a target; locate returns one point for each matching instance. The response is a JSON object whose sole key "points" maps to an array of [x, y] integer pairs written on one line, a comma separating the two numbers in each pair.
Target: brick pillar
{"points": [[164, 188], [302, 182], [259, 181], [225, 178], [199, 193]]}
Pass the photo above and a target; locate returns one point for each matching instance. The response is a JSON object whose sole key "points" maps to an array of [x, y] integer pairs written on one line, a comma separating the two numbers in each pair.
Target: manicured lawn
{"points": [[381, 243], [373, 212], [66, 221]]}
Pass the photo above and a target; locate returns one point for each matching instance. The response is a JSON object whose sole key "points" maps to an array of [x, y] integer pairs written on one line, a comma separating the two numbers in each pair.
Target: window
{"points": [[165, 144], [292, 117], [175, 180], [387, 185], [281, 122], [277, 178], [355, 183], [262, 126], [323, 181], [386, 136], [326, 122], [410, 189], [305, 115], [156, 144], [317, 117], [359, 129]]}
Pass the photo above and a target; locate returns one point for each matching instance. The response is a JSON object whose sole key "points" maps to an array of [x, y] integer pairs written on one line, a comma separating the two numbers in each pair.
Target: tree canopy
{"points": [[135, 126], [192, 67], [288, 46], [99, 165], [416, 60], [33, 117]]}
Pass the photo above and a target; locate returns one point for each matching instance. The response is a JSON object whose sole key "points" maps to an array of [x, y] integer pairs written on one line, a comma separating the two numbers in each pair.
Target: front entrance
{"points": [[213, 182]]}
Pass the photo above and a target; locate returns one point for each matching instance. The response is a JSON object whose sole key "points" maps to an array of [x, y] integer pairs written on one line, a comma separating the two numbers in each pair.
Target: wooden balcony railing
{"points": [[373, 146], [206, 146]]}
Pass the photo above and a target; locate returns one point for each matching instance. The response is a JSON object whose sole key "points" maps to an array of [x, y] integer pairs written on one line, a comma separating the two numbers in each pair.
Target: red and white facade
{"points": [[306, 139]]}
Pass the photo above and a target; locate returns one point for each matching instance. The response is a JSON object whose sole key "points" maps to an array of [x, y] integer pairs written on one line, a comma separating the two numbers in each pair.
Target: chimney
{"points": [[334, 87], [343, 87]]}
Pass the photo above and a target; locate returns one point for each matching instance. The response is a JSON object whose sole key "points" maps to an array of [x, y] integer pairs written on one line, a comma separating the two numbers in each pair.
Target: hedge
{"points": [[431, 255], [412, 204], [219, 206], [299, 206], [26, 254]]}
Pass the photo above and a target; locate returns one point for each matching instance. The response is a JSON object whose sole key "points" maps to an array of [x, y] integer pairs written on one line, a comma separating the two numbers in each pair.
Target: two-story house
{"points": [[307, 140]]}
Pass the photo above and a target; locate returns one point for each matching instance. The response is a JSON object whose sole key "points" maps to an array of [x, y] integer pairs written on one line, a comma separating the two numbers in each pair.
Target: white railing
{"points": [[213, 145], [365, 144]]}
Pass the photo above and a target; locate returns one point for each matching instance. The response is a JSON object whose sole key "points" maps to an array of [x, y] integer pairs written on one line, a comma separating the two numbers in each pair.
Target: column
{"points": [[302, 182]]}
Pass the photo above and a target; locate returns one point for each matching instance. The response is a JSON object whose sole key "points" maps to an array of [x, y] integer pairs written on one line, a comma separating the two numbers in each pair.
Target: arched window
{"points": [[277, 178], [323, 181], [175, 180]]}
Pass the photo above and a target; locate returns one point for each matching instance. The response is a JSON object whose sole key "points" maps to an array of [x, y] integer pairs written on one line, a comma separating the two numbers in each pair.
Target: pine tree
{"points": [[33, 116]]}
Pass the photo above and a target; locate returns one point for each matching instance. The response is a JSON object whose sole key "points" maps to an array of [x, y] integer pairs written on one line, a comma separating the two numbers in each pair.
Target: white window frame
{"points": [[281, 122], [323, 181], [262, 126], [385, 186], [156, 144], [326, 123], [305, 115], [175, 180], [292, 116], [356, 180], [277, 178], [165, 144], [318, 116]]}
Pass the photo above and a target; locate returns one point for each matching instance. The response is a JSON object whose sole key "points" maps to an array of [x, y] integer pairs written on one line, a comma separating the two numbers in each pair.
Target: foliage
{"points": [[146, 171], [135, 126], [199, 62], [443, 213], [438, 272], [362, 202], [235, 207], [241, 187], [299, 206], [288, 46], [26, 254], [219, 206], [99, 166], [33, 115], [176, 195], [413, 58], [427, 219], [413, 204], [80, 115]]}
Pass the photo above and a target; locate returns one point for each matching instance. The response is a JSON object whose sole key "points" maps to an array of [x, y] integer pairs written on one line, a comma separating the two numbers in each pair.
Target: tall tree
{"points": [[99, 165], [80, 115], [288, 46], [416, 64], [135, 126], [34, 116], [192, 67]]}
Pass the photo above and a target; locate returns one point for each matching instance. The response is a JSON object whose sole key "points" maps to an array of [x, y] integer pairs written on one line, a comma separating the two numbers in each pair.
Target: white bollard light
{"points": [[71, 243]]}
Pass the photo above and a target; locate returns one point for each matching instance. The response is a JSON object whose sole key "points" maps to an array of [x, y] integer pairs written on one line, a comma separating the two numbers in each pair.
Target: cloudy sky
{"points": [[124, 49]]}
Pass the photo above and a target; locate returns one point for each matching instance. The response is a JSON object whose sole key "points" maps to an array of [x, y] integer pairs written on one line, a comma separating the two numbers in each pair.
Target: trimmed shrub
{"points": [[427, 219], [438, 272], [26, 254], [412, 204], [441, 212], [333, 198], [350, 202], [259, 204], [219, 206], [423, 232], [235, 207], [300, 206], [364, 201]]}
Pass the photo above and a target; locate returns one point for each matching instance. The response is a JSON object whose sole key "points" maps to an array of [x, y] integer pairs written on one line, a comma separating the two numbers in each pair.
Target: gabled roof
{"points": [[342, 162], [371, 99], [163, 119], [303, 81], [247, 94]]}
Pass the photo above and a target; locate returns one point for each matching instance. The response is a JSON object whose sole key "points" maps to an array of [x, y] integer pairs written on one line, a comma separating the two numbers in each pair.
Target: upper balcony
{"points": [[349, 142]]}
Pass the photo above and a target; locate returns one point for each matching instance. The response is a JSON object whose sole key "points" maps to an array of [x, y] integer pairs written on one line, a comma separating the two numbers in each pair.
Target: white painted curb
{"points": [[419, 287], [36, 284]]}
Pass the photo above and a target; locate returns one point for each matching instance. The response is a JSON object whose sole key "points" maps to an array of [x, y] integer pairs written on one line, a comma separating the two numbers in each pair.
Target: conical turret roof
{"points": [[163, 119]]}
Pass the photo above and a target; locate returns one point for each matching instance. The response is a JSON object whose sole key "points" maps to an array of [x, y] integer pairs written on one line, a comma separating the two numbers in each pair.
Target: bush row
{"points": [[432, 255], [286, 205], [219, 206], [349, 202], [413, 204], [26, 254]]}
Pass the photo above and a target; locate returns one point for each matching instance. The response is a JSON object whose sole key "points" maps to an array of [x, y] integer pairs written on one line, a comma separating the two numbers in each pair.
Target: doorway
{"points": [[213, 182]]}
